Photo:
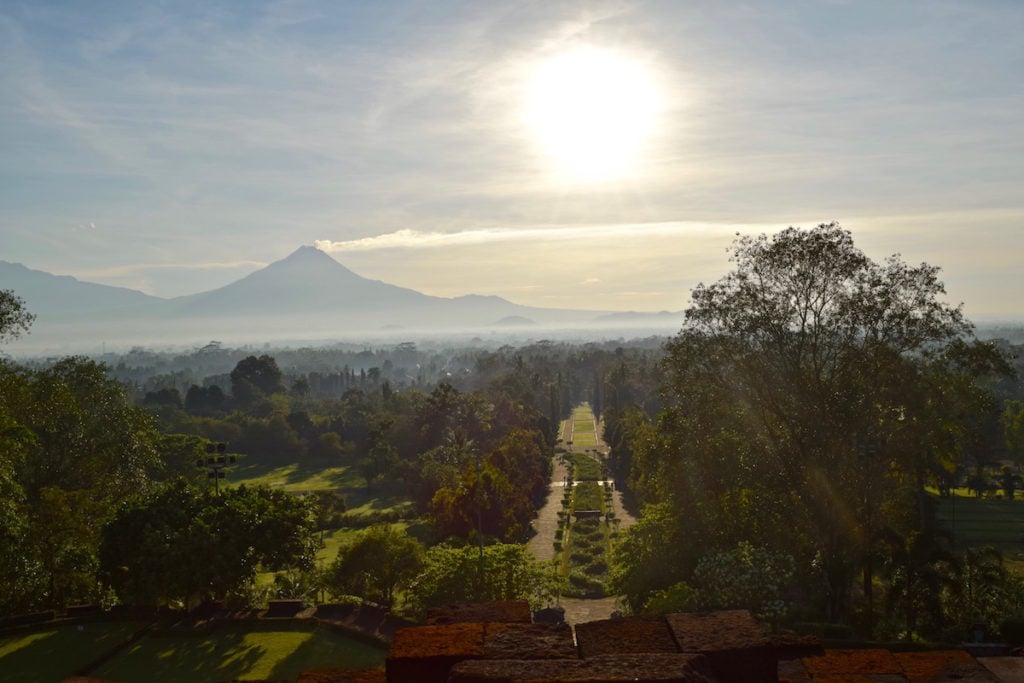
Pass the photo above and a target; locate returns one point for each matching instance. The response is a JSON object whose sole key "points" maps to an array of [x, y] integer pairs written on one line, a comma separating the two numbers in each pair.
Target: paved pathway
{"points": [[542, 544]]}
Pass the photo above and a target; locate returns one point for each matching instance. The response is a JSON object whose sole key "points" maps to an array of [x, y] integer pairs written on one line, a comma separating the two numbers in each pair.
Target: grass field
{"points": [[267, 651], [295, 477], [53, 654], [984, 521], [583, 435], [585, 468]]}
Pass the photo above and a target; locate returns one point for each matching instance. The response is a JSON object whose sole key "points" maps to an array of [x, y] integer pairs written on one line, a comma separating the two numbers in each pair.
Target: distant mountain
{"points": [[49, 295], [307, 281], [515, 321], [305, 296], [640, 318]]}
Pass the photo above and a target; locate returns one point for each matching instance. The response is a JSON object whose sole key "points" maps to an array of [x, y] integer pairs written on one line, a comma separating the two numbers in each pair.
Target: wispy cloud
{"points": [[416, 239]]}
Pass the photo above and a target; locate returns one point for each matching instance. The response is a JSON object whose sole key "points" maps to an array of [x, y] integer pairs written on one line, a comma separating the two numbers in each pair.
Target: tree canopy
{"points": [[805, 391]]}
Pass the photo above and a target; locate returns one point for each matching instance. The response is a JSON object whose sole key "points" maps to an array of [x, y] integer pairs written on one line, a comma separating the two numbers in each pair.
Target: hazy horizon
{"points": [[566, 154]]}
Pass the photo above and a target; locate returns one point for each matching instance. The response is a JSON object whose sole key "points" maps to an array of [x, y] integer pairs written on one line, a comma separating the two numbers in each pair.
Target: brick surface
{"points": [[939, 666], [662, 668], [341, 676], [427, 653], [528, 641], [737, 645], [847, 662], [630, 635]]}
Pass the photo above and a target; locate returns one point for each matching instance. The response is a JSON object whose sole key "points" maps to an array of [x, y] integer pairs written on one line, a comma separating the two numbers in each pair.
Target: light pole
{"points": [[215, 462]]}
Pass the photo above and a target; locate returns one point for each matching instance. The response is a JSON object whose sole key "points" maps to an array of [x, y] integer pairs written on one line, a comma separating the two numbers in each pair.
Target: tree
{"points": [[256, 378], [803, 383], [377, 563], [179, 542], [509, 573], [14, 317]]}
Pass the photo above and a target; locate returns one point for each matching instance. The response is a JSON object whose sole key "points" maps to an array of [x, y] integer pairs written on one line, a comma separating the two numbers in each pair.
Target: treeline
{"points": [[810, 408]]}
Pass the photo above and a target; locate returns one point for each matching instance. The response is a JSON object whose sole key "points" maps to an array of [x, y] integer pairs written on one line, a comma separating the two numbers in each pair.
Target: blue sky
{"points": [[176, 146]]}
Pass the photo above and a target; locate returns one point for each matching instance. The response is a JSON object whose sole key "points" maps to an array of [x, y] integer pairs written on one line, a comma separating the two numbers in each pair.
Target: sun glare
{"points": [[592, 111]]}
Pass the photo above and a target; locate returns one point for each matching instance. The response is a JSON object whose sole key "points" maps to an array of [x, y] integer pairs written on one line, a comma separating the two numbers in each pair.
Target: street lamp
{"points": [[215, 462]]}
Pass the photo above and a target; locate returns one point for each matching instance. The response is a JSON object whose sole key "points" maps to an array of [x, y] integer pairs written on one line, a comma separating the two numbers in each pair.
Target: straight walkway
{"points": [[542, 544]]}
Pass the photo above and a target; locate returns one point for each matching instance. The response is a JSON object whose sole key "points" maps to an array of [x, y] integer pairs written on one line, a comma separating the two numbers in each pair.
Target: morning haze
{"points": [[442, 341]]}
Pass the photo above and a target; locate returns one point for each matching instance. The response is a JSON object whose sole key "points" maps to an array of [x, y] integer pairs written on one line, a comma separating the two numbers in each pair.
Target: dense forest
{"points": [[788, 452]]}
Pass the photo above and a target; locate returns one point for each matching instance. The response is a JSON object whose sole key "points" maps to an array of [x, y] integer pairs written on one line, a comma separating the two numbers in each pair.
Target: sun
{"points": [[592, 111]]}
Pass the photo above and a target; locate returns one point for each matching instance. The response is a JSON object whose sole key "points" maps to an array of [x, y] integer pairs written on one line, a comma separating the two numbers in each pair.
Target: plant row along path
{"points": [[576, 526]]}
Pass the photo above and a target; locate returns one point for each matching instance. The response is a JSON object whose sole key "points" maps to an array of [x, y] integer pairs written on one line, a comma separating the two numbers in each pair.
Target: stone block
{"points": [[660, 668], [939, 666], [853, 662], [736, 645], [427, 653], [528, 641], [629, 635]]}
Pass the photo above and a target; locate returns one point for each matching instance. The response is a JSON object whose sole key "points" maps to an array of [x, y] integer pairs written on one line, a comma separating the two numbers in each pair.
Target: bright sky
{"points": [[582, 154]]}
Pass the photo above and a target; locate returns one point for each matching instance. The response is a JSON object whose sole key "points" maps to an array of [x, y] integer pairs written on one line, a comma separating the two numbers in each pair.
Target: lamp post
{"points": [[215, 462]]}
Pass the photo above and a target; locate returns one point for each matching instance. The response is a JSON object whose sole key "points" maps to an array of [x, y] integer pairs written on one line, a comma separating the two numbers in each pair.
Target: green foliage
{"points": [[14, 317], [651, 555], [453, 575], [744, 578], [587, 496], [585, 467], [180, 543], [375, 565], [255, 379], [810, 390]]}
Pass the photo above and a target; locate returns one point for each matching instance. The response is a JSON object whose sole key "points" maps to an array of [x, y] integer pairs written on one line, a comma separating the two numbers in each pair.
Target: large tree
{"points": [[807, 391], [14, 317]]}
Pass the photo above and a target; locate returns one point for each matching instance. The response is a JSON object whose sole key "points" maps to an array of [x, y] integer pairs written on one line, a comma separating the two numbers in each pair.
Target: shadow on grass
{"points": [[327, 649], [54, 654], [221, 657]]}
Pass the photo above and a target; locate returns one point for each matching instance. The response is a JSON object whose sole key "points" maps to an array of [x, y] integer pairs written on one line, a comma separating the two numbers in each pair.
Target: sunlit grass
{"points": [[53, 654], [294, 477], [267, 651]]}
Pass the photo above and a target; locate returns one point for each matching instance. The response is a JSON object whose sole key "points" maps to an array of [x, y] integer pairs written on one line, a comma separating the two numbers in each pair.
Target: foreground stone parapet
{"points": [[871, 662], [427, 653], [341, 676], [503, 611], [737, 645], [528, 641], [629, 635], [662, 668], [939, 666]]}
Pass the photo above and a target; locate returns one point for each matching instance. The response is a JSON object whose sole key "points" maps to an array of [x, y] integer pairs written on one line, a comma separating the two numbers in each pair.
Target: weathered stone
{"points": [[796, 647], [341, 676], [528, 641], [737, 645], [939, 666], [630, 635], [427, 653], [504, 611], [855, 662], [1004, 668], [662, 668]]}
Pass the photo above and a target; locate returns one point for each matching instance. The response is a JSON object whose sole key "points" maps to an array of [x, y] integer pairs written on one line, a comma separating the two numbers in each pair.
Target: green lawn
{"points": [[50, 655], [266, 651], [295, 477], [585, 467], [984, 521]]}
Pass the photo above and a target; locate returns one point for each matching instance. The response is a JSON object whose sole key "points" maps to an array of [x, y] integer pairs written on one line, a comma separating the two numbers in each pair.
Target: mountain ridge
{"points": [[307, 292]]}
